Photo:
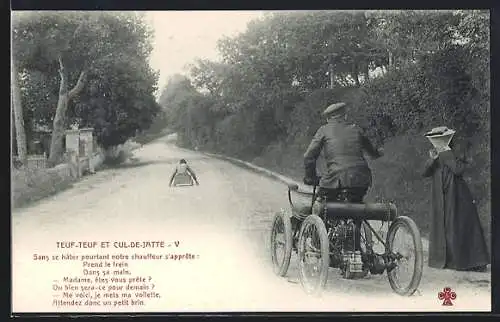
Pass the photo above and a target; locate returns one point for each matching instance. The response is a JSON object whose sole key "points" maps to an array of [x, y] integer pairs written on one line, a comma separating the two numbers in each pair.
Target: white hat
{"points": [[440, 136]]}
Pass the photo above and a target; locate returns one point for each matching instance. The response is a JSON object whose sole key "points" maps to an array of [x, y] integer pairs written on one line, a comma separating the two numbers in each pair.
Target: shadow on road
{"points": [[137, 163]]}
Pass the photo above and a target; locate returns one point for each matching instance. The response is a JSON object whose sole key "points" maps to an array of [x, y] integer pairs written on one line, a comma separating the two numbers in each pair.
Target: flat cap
{"points": [[337, 108]]}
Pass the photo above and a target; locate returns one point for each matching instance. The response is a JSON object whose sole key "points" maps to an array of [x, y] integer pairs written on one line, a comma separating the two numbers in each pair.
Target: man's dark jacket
{"points": [[342, 145]]}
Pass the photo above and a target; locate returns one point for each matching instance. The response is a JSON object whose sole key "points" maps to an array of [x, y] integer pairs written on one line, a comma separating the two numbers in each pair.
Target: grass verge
{"points": [[30, 185]]}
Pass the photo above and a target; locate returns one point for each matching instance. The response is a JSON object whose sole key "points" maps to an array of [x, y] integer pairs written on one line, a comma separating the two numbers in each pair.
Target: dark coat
{"points": [[456, 238], [343, 146]]}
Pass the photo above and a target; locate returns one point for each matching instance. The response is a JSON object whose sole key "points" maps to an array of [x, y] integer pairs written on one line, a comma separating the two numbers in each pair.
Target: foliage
{"points": [[112, 48], [436, 91], [408, 34], [267, 71], [118, 102], [31, 185], [39, 96], [306, 117], [401, 73]]}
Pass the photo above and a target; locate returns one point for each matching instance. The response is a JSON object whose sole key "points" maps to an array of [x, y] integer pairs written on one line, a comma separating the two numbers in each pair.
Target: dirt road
{"points": [[220, 227]]}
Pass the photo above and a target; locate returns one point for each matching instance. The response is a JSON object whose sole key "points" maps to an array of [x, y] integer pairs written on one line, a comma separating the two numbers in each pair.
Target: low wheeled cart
{"points": [[182, 179]]}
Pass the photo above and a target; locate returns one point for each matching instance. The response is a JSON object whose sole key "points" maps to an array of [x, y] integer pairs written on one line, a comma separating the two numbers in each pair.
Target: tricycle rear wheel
{"points": [[313, 243], [281, 237], [405, 277]]}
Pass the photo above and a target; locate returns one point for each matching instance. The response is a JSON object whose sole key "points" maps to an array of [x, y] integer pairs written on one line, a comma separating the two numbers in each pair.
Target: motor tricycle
{"points": [[340, 234]]}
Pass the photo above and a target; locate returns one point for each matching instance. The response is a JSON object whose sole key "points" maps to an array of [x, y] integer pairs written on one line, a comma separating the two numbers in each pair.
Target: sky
{"points": [[183, 36]]}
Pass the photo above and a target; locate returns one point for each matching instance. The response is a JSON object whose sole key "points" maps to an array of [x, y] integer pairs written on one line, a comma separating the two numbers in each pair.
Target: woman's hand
{"points": [[433, 154]]}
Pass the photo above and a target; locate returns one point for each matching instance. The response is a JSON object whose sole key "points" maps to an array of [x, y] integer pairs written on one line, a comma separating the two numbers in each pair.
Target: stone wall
{"points": [[30, 184]]}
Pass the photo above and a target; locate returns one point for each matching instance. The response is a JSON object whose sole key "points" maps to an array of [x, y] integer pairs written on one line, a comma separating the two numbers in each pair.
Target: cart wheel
{"points": [[281, 243], [404, 242], [313, 254]]}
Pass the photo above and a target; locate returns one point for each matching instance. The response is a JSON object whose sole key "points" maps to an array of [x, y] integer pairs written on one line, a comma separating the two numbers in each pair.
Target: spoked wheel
{"points": [[313, 254], [405, 246], [281, 243]]}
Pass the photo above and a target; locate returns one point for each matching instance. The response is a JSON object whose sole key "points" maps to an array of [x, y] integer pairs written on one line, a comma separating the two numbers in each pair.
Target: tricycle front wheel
{"points": [[405, 252], [281, 243], [313, 255]]}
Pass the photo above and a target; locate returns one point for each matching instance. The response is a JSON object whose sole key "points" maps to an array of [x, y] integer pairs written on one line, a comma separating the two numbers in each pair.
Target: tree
{"points": [[267, 71], [48, 38], [175, 97], [406, 35], [118, 101], [78, 48], [474, 33], [18, 114], [39, 94]]}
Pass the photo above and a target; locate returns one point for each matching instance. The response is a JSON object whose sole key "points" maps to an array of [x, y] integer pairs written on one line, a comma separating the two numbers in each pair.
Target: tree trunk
{"points": [[367, 71], [59, 124], [189, 121], [332, 79], [58, 130], [18, 115], [355, 73]]}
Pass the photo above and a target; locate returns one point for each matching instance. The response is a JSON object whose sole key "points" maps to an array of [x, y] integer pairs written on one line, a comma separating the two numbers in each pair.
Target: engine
{"points": [[343, 253], [335, 237], [341, 237]]}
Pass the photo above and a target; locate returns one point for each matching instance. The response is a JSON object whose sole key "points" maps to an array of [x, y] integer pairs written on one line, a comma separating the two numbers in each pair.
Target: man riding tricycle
{"points": [[332, 226]]}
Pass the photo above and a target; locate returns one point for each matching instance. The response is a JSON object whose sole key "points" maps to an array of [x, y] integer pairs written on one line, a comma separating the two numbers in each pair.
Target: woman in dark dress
{"points": [[456, 238]]}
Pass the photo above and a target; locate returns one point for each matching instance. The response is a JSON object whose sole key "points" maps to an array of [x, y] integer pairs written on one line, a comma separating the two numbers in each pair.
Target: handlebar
{"points": [[295, 187]]}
